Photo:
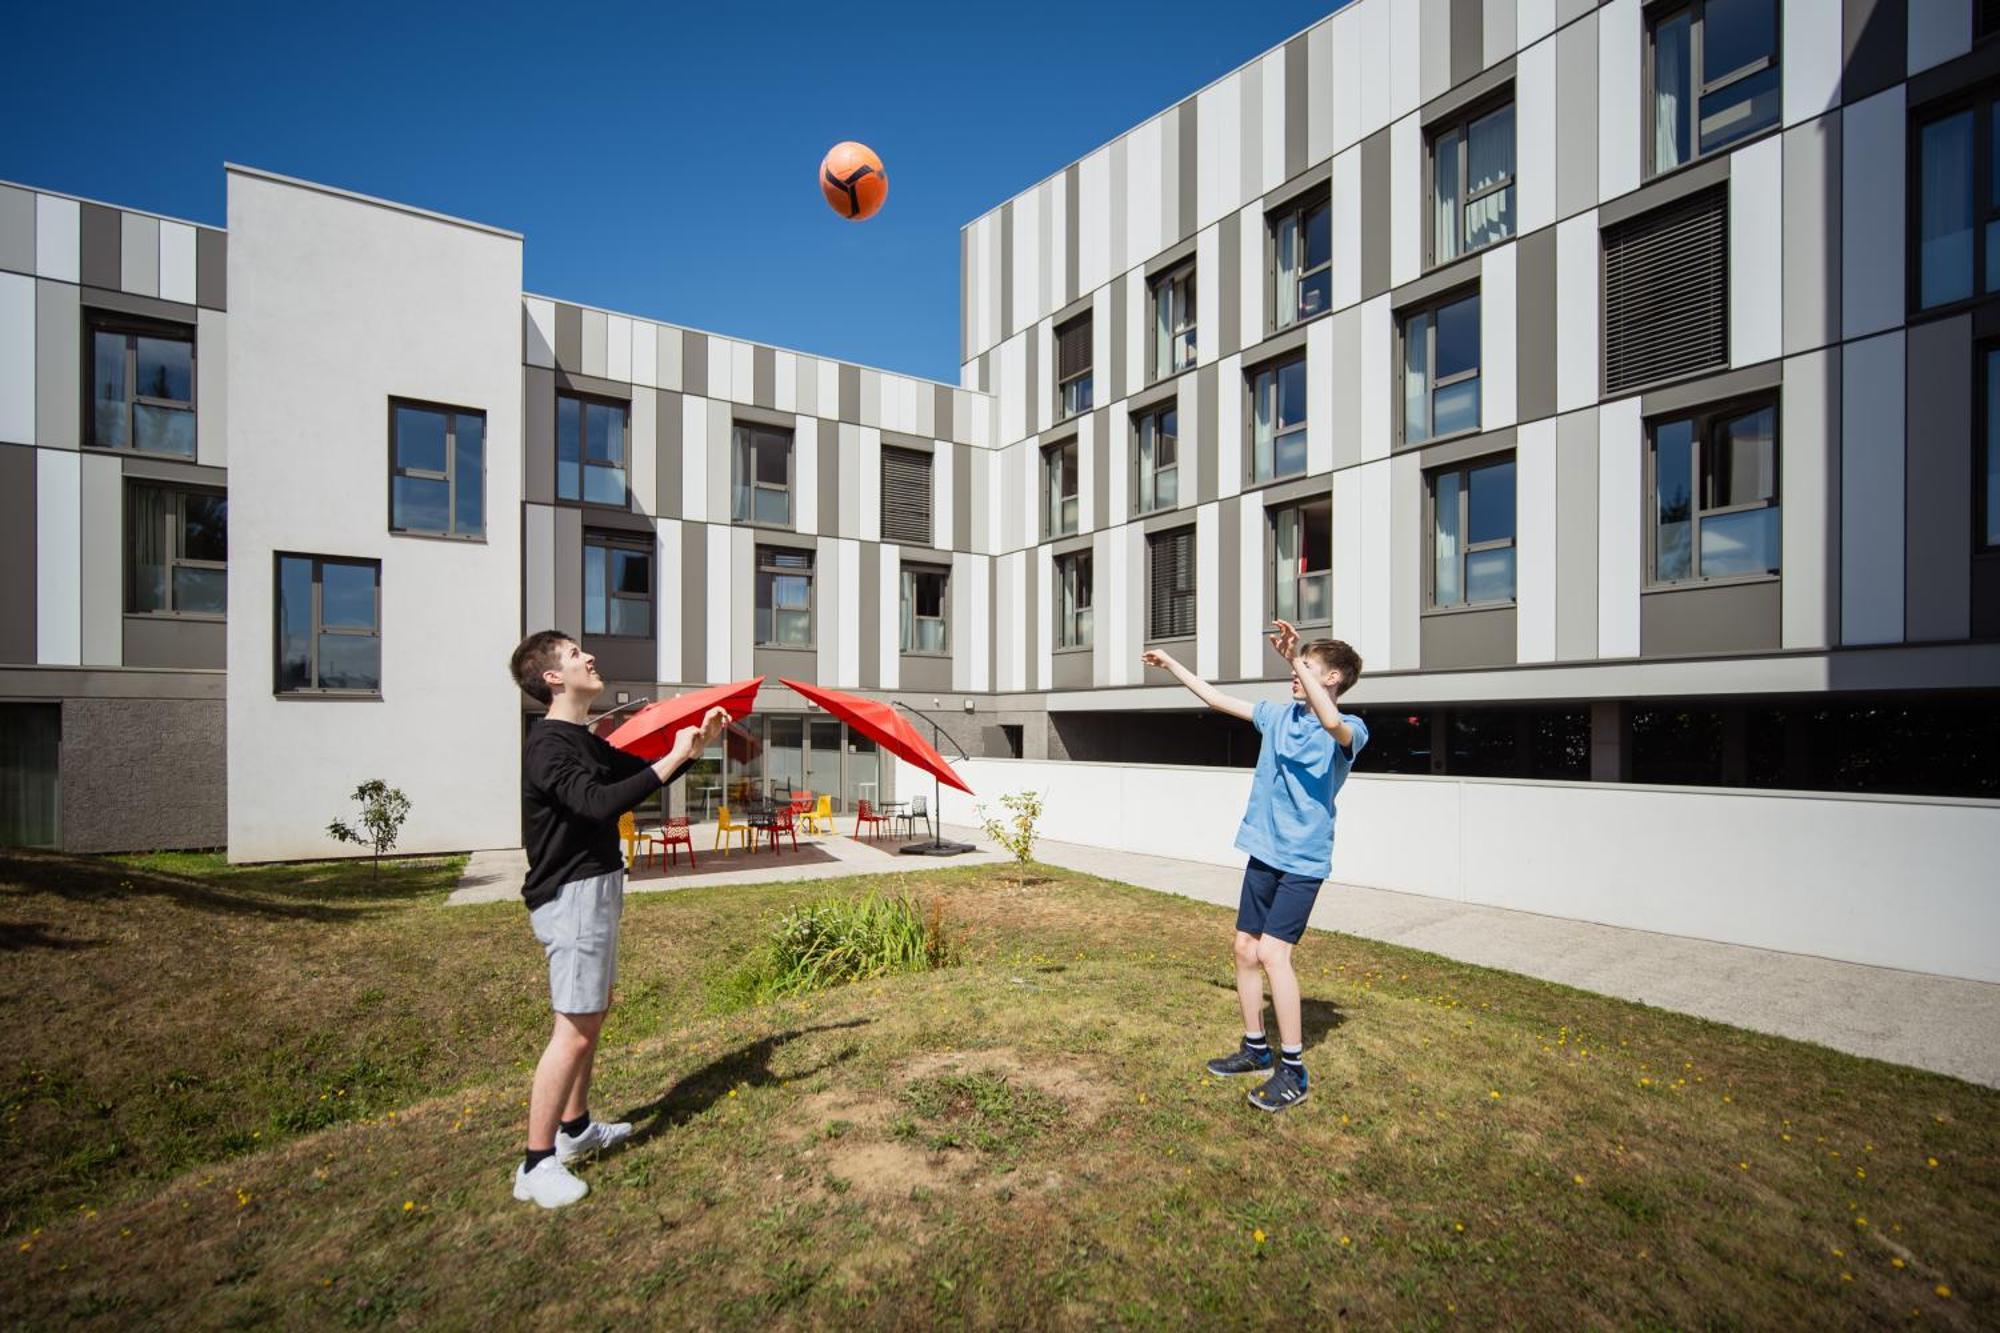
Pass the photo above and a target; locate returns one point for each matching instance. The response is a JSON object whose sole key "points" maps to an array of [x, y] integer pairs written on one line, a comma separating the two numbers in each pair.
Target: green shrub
{"points": [[832, 940]]}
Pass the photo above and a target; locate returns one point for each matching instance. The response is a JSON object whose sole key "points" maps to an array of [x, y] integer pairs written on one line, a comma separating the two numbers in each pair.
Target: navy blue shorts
{"points": [[1275, 902]]}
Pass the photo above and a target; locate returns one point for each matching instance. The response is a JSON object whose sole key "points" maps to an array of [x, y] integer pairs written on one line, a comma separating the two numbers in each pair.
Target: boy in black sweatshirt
{"points": [[574, 786]]}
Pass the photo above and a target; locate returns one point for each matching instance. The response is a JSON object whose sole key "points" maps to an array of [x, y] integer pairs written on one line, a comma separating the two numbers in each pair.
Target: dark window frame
{"points": [[1460, 122], [632, 543], [1706, 418], [1181, 336], [1463, 470], [1430, 309], [1254, 384], [1986, 453], [1275, 518], [174, 522], [1302, 207], [318, 627], [1982, 105], [1656, 15], [1062, 514], [449, 476], [1076, 392], [1178, 597], [585, 402], [132, 327], [1072, 603], [744, 451], [768, 572], [907, 575], [1141, 482]]}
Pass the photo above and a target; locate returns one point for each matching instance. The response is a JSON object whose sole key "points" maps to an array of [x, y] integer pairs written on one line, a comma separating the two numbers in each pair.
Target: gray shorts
{"points": [[578, 929]]}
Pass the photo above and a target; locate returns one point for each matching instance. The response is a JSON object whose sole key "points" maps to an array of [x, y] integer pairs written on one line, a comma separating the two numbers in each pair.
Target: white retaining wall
{"points": [[1895, 882]]}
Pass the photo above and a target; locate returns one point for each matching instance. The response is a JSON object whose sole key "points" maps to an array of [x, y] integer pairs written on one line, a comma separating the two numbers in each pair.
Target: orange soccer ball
{"points": [[851, 178]]}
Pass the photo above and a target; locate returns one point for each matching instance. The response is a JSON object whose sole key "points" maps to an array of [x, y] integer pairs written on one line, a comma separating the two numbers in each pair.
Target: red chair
{"points": [[781, 824], [865, 814], [675, 834]]}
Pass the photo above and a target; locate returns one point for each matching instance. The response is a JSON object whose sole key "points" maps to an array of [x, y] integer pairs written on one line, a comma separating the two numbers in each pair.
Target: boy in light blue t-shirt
{"points": [[1309, 747]]}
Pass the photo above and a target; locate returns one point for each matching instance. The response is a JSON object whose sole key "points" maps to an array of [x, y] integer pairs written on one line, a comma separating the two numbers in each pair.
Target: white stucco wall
{"points": [[1902, 882], [337, 304]]}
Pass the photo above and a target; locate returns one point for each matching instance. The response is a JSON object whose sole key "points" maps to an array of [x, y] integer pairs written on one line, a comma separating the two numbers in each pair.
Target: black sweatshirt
{"points": [[574, 785]]}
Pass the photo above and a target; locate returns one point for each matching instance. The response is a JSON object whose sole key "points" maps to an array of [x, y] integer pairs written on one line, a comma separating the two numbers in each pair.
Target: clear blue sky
{"points": [[660, 159]]}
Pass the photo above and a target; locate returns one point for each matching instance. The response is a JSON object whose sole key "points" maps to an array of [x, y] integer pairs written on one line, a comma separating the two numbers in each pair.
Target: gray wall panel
{"points": [[1576, 536], [1297, 139], [1031, 381], [694, 601], [829, 481], [1190, 122], [176, 644], [764, 376], [569, 570], [1006, 269], [1576, 117], [669, 459], [102, 243], [1113, 375], [961, 497], [694, 363], [17, 229], [1730, 618], [1535, 319], [1229, 589], [924, 673], [141, 265], [1436, 48], [1207, 392], [102, 530], [1465, 639], [1875, 38], [569, 338], [942, 422], [58, 365], [1072, 212], [17, 554], [1468, 40], [211, 268], [1937, 478], [538, 432], [1227, 300], [849, 406], [1375, 215], [869, 615], [1070, 669], [1812, 234], [1100, 472]]}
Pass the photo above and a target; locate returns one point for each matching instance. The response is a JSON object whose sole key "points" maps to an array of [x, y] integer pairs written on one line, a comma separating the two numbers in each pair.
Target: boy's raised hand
{"points": [[1153, 657], [1286, 640]]}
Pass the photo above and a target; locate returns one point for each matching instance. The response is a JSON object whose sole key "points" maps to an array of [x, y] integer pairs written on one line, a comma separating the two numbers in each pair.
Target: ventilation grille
{"points": [[1073, 348], [906, 497], [1666, 293], [1171, 590]]}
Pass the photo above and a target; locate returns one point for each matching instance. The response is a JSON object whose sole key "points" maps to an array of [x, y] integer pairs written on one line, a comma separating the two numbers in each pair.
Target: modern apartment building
{"points": [[1619, 378]]}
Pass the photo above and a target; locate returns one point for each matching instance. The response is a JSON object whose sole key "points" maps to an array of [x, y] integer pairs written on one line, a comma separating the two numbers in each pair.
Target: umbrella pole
{"points": [[937, 846]]}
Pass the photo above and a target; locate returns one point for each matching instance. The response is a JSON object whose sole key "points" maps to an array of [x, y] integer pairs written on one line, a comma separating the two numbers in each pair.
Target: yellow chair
{"points": [[628, 833], [728, 828], [819, 819]]}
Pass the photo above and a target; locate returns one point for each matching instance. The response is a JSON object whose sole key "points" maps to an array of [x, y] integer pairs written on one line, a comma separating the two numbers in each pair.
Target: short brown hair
{"points": [[1338, 655], [539, 652]]}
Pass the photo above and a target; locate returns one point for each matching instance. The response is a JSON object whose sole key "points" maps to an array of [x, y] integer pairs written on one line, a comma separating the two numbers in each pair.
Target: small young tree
{"points": [[1016, 834], [383, 810]]}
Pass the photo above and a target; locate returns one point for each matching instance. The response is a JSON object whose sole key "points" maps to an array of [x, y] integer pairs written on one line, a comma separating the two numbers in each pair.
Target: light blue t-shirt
{"points": [[1300, 767]]}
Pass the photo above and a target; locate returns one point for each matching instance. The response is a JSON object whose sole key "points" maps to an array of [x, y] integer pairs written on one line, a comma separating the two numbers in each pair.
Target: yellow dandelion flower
{"points": [[1258, 1235], [409, 1205], [1861, 1221], [732, 1092], [1840, 1254], [1943, 1290], [1847, 1277], [1346, 1240], [1458, 1226], [1930, 1162], [1577, 1179], [1859, 1174], [1494, 1094], [1743, 1166], [1896, 1262]]}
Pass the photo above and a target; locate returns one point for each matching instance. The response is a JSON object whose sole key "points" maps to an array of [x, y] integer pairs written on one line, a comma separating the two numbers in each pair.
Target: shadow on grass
{"points": [[748, 1065], [299, 893], [1316, 1017], [18, 935]]}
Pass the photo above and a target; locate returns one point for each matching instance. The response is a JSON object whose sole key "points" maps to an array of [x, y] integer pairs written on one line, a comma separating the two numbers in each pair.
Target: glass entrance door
{"points": [[823, 736]]}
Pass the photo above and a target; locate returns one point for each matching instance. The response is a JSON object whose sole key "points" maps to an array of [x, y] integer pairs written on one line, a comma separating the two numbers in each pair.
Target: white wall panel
{"points": [[1497, 32], [643, 449], [1533, 20], [889, 619], [1187, 400], [538, 561], [1346, 220], [645, 353], [1811, 59], [1620, 541], [828, 389], [1219, 165], [539, 332], [1027, 213], [1207, 278], [1499, 379], [1938, 31], [1535, 542], [1229, 427], [1578, 343], [1041, 341], [721, 424], [1535, 133], [177, 248], [1010, 598], [979, 574], [1117, 444], [724, 586], [58, 557], [960, 589], [1056, 267], [1405, 52], [1871, 490], [785, 382], [1756, 252], [694, 462], [1134, 315], [1045, 582], [1620, 55], [1377, 563], [1087, 445], [1809, 456], [1341, 35], [1378, 341], [58, 238], [1244, 632], [618, 348], [805, 474], [1208, 593], [211, 387], [17, 358], [719, 370], [1250, 277], [1370, 35], [667, 642], [850, 603], [1010, 364], [1093, 218], [1319, 396], [834, 617], [1406, 180], [943, 506], [1872, 200], [742, 372], [1349, 558]]}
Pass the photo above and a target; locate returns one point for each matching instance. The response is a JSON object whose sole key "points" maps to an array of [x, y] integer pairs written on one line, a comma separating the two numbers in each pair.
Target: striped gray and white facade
{"points": [[317, 307]]}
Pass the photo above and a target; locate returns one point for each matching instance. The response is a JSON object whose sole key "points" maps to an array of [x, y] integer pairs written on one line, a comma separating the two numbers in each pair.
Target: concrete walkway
{"points": [[1910, 1018]]}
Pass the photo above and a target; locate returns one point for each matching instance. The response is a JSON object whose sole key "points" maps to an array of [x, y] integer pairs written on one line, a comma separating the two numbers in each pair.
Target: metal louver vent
{"points": [[1666, 293], [1170, 610], [1073, 348], [906, 497]]}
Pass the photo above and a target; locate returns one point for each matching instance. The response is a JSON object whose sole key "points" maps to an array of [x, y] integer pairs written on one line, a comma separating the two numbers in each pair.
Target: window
{"points": [[590, 450], [1073, 573], [437, 470], [906, 497], [1988, 471], [176, 549], [30, 774], [1986, 19], [1073, 385], [1472, 535], [1278, 420], [1666, 293], [761, 490], [1441, 370], [1159, 458], [1302, 587], [1955, 202], [1170, 587], [1715, 495], [1173, 322], [784, 598], [1713, 66], [1302, 262], [1059, 482], [329, 625], [617, 586], [1472, 183], [924, 601], [142, 387]]}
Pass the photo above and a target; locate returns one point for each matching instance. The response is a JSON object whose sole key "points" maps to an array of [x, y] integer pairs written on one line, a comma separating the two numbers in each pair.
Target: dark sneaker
{"points": [[1284, 1088], [1240, 1061]]}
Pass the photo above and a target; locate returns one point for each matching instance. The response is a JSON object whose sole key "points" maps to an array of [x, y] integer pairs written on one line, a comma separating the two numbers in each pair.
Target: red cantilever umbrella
{"points": [[649, 733], [885, 725]]}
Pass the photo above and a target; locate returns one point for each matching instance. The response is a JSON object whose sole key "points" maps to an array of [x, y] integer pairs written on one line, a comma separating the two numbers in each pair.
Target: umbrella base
{"points": [[936, 847]]}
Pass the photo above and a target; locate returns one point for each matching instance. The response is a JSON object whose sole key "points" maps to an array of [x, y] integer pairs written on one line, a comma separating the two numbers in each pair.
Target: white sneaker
{"points": [[597, 1137], [550, 1184]]}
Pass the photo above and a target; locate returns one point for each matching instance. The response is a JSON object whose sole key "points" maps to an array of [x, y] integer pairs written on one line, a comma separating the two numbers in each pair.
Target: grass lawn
{"points": [[293, 1095]]}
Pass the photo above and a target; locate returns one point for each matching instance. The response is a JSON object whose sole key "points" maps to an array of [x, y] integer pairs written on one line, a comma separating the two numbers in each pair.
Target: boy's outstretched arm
{"points": [[1202, 690]]}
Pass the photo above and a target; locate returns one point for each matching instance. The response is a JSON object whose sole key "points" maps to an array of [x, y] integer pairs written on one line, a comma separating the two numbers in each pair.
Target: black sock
{"points": [[576, 1126], [1256, 1045], [534, 1157], [1294, 1057]]}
